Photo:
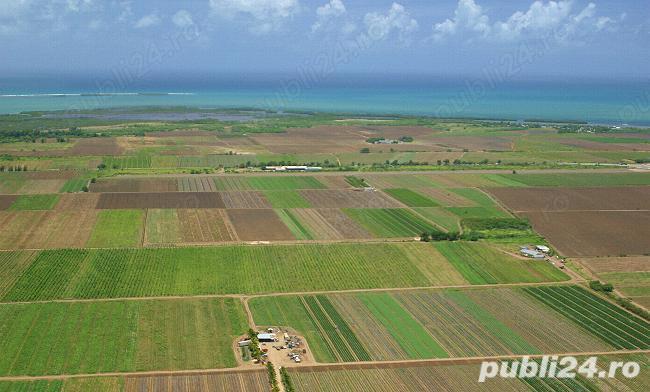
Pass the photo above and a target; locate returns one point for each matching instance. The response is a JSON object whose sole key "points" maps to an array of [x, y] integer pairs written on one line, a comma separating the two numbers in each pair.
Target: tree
{"points": [[365, 150]]}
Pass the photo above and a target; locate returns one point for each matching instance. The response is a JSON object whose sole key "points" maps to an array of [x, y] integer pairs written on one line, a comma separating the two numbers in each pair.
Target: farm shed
{"points": [[266, 337], [532, 253]]}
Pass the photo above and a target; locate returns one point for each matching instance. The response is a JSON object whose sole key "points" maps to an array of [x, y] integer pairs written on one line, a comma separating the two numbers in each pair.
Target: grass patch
{"points": [[286, 199], [390, 222], [284, 183], [74, 185], [411, 198], [34, 202], [356, 182], [117, 229], [440, 217]]}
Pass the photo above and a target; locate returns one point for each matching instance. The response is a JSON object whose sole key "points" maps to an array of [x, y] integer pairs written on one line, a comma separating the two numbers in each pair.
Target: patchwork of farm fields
{"points": [[426, 324], [116, 273], [629, 275]]}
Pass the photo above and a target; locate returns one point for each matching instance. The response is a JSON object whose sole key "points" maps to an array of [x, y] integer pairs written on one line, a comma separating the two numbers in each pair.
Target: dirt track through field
{"points": [[322, 366]]}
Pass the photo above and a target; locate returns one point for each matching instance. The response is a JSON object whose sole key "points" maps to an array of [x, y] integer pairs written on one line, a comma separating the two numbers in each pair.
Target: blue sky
{"points": [[530, 39]]}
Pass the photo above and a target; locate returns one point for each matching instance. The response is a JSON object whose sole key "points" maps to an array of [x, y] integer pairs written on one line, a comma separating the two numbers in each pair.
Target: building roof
{"points": [[266, 336]]}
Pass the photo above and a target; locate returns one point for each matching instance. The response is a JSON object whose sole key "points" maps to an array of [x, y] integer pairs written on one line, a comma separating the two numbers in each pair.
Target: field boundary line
{"points": [[293, 293], [319, 366]]}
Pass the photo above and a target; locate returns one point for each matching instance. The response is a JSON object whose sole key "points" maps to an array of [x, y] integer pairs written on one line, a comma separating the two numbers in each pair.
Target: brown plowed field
{"points": [[6, 201], [617, 264], [196, 184], [77, 201], [334, 182], [318, 139], [95, 146], [595, 233], [567, 199], [332, 198], [160, 200], [447, 198], [135, 185], [259, 225], [331, 224], [45, 229], [244, 199], [250, 381], [205, 225]]}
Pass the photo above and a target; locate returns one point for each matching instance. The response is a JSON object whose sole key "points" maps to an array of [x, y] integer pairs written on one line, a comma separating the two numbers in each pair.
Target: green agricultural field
{"points": [[295, 226], [34, 202], [117, 273], [95, 337], [74, 185], [141, 161], [356, 181], [117, 229], [479, 263], [163, 226], [266, 183], [441, 217], [411, 198], [286, 199], [390, 222], [411, 336], [614, 325], [579, 179]]}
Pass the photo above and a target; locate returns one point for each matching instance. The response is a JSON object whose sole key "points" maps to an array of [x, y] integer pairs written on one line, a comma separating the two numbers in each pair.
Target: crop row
{"points": [[615, 326], [390, 222], [339, 337]]}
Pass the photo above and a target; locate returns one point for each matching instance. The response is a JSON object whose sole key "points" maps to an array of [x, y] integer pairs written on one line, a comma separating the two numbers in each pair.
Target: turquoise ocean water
{"points": [[609, 102]]}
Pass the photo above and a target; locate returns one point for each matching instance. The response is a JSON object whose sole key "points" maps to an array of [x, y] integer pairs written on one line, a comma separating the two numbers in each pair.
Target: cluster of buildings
{"points": [[293, 168], [537, 252]]}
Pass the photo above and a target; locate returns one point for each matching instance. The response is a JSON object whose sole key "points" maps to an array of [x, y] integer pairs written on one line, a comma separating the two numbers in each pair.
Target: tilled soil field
{"points": [[45, 229], [205, 225], [244, 199], [95, 146], [330, 198], [77, 201], [160, 200], [259, 225], [235, 381], [331, 224], [595, 233], [617, 264], [6, 201], [196, 184], [135, 185], [574, 199]]}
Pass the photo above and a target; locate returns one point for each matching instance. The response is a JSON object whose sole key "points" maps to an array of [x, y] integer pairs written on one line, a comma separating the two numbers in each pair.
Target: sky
{"points": [[490, 38]]}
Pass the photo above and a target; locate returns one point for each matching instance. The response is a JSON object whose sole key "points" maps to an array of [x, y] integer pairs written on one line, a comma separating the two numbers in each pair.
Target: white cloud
{"points": [[263, 15], [12, 13], [331, 16], [397, 20], [468, 16], [148, 21], [557, 17], [79, 5], [183, 19], [126, 11]]}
